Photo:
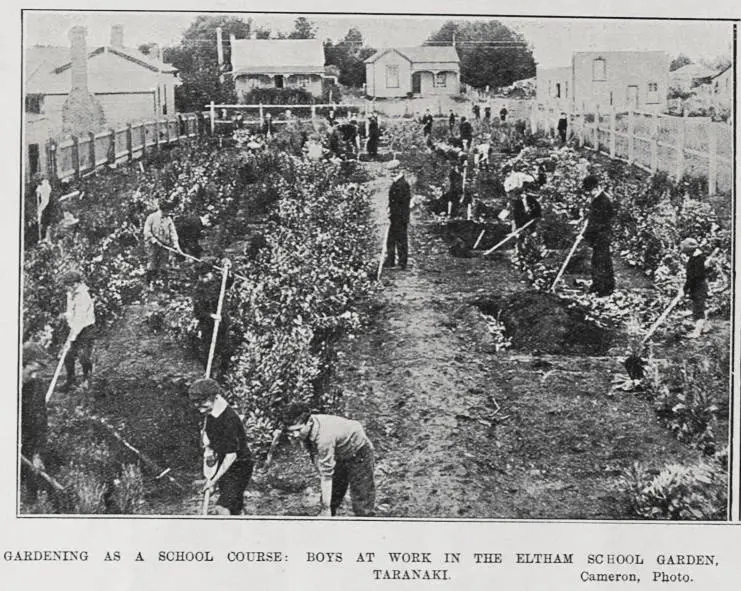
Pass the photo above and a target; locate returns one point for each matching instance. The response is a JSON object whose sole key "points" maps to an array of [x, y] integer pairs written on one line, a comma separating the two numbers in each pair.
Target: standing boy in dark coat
{"points": [[598, 236], [400, 196], [374, 133], [451, 122], [455, 193], [427, 123], [563, 125], [696, 283], [466, 133]]}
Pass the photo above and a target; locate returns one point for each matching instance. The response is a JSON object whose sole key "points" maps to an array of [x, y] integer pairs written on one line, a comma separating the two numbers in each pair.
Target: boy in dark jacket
{"points": [[696, 283], [34, 425], [400, 196], [598, 236], [225, 443]]}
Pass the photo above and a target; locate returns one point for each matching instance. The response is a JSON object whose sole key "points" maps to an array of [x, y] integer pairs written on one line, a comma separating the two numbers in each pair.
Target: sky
{"points": [[553, 39]]}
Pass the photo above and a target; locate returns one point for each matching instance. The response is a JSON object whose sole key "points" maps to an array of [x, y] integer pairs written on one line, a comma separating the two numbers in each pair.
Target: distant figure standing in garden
{"points": [[476, 111], [225, 444], [696, 283], [44, 209], [427, 123], [331, 117], [455, 192], [159, 232], [34, 425], [397, 245], [451, 122], [487, 113], [466, 131], [598, 236], [374, 134], [563, 126], [342, 454], [80, 317], [503, 115], [267, 125]]}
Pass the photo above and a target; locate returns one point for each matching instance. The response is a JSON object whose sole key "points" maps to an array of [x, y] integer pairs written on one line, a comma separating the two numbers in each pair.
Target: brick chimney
{"points": [[81, 111], [117, 37]]}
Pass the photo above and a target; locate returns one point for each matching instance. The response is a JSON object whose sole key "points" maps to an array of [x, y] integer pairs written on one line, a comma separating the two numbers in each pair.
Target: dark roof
{"points": [[422, 53]]}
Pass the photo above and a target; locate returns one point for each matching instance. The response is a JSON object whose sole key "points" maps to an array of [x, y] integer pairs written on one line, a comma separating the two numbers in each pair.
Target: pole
{"points": [[479, 238], [43, 474], [217, 317], [384, 252], [508, 237], [197, 260], [212, 113], [38, 211], [663, 316], [568, 258], [58, 370]]}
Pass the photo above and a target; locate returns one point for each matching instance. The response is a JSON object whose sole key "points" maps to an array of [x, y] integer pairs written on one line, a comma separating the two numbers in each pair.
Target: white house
{"points": [[277, 63], [620, 79], [687, 77], [413, 71]]}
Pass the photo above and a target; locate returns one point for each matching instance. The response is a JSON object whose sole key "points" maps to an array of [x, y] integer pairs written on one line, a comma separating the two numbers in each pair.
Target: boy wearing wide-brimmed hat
{"points": [[695, 284]]}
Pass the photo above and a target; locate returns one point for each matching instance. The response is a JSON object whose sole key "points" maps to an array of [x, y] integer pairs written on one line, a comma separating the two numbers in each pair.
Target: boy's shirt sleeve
{"points": [[325, 456]]}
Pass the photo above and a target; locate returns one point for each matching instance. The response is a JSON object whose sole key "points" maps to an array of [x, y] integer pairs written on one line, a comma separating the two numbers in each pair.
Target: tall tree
{"points": [[348, 55], [196, 58], [678, 62], [303, 28], [490, 52]]}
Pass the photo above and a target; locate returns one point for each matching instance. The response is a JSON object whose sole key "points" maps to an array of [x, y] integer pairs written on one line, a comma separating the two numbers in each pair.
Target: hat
{"points": [[34, 353], [70, 277], [166, 205], [590, 182], [689, 244]]}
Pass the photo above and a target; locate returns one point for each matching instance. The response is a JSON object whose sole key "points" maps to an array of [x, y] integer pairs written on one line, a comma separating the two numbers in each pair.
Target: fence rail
{"points": [[78, 156], [651, 141]]}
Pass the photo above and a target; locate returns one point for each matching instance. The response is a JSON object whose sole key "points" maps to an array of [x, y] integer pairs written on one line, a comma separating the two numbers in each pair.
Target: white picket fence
{"points": [[651, 141]]}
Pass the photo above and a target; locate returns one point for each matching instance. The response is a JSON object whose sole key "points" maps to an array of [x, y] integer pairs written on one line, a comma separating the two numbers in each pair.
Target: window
{"points": [[653, 92], [33, 103], [392, 76], [599, 69], [33, 159], [164, 99], [440, 80], [566, 89], [558, 90]]}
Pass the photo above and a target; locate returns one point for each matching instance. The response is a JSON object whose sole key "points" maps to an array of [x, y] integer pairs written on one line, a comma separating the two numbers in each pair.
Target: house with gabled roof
{"points": [[129, 85], [428, 70], [277, 63]]}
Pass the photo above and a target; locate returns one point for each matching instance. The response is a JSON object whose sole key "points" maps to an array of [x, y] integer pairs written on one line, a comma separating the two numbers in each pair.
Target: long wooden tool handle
{"points": [[384, 252], [41, 473], [479, 239], [568, 258], [508, 237], [663, 317], [58, 370], [217, 320], [206, 499]]}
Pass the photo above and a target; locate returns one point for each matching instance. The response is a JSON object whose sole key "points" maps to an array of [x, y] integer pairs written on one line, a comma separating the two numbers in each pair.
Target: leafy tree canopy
{"points": [[303, 28], [490, 52], [348, 55], [679, 62]]}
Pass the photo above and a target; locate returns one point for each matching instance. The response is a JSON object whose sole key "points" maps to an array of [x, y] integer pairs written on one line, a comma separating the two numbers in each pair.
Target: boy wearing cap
{"points": [[400, 196], [34, 424], [80, 316], [226, 442], [598, 236], [695, 284], [342, 454], [159, 231]]}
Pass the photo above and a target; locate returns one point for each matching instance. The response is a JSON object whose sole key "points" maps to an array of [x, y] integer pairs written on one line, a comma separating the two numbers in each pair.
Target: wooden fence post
{"points": [[91, 149], [212, 114], [681, 143], [157, 134], [654, 143], [631, 132], [167, 131], [612, 131], [144, 140], [712, 157], [130, 141], [76, 156], [261, 113], [313, 112], [595, 129], [112, 146], [582, 124]]}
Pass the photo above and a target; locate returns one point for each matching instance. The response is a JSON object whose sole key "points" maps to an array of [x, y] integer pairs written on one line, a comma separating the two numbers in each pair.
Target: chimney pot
{"points": [[117, 36]]}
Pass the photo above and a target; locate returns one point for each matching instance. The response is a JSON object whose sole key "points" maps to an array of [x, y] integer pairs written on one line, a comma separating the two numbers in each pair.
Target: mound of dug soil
{"points": [[543, 322]]}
